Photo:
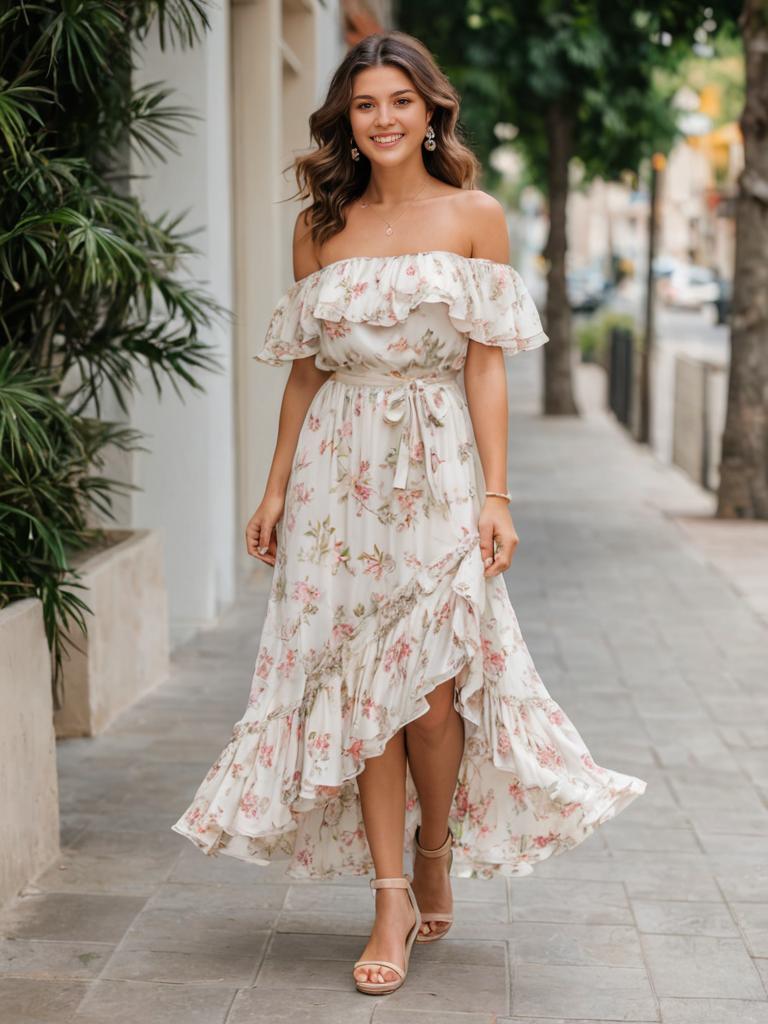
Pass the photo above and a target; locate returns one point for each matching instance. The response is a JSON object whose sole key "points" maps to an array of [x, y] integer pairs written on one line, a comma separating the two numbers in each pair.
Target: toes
{"points": [[434, 927], [374, 975]]}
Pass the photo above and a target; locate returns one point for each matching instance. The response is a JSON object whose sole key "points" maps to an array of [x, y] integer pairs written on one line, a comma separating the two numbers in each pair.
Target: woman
{"points": [[394, 704]]}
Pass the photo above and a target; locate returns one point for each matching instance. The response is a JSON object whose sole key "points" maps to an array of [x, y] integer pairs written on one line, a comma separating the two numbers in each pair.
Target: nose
{"points": [[385, 117]]}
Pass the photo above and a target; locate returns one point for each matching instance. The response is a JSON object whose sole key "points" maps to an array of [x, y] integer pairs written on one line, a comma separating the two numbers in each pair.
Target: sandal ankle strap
{"points": [[440, 851], [390, 883]]}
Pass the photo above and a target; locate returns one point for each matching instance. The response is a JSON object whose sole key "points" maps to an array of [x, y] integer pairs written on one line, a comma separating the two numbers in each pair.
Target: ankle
{"points": [[393, 905], [432, 839]]}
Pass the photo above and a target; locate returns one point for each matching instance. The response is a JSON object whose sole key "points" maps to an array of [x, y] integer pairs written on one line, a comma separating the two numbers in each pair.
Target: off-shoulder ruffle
{"points": [[486, 300], [287, 775]]}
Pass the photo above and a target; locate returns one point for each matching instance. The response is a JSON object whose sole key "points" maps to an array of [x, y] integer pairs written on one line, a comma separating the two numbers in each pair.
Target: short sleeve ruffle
{"points": [[292, 332], [485, 300]]}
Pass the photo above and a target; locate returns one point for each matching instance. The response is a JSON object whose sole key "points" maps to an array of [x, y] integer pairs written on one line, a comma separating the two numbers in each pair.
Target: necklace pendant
{"points": [[388, 231]]}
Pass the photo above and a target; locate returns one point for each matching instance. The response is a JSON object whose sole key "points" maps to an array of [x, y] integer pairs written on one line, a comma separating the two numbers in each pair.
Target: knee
{"points": [[431, 726]]}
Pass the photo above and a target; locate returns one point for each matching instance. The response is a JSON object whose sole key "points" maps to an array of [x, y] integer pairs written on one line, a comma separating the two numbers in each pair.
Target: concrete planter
{"points": [[29, 794], [698, 417], [126, 651]]}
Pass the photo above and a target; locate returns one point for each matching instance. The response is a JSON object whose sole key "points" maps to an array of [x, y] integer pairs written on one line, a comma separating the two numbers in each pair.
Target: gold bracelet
{"points": [[496, 494]]}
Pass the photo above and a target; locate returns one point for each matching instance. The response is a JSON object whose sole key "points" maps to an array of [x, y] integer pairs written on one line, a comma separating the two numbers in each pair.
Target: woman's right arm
{"points": [[303, 383]]}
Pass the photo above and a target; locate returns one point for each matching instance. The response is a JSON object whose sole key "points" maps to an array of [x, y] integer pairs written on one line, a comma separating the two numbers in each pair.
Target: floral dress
{"points": [[378, 593]]}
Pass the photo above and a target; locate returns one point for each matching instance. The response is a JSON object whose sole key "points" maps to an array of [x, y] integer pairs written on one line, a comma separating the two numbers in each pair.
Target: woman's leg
{"points": [[381, 785], [435, 745]]}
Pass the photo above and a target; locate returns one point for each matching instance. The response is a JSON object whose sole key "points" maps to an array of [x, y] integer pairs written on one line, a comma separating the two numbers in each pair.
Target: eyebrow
{"points": [[397, 92]]}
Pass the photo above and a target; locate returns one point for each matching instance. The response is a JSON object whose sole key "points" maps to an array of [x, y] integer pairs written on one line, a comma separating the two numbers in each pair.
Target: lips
{"points": [[388, 139]]}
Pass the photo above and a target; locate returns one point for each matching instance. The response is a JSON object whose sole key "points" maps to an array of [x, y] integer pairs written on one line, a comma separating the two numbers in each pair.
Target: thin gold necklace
{"points": [[366, 205]]}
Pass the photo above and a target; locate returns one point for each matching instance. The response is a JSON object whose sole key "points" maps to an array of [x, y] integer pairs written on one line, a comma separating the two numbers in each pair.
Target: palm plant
{"points": [[91, 288]]}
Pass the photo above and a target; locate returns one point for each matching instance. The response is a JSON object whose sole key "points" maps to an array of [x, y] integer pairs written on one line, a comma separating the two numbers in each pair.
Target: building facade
{"points": [[252, 81]]}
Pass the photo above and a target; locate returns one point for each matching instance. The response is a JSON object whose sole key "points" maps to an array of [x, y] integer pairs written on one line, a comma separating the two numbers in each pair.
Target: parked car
{"points": [[587, 287], [688, 286]]}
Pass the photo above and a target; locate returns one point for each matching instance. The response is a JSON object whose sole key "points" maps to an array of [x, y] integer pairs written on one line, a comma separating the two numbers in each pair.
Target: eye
{"points": [[401, 99]]}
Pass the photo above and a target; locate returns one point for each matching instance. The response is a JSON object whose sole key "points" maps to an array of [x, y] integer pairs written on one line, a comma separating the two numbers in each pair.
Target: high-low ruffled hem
{"points": [[284, 786]]}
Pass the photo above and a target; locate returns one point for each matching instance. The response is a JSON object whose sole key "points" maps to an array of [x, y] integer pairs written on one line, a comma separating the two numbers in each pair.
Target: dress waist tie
{"points": [[415, 403]]}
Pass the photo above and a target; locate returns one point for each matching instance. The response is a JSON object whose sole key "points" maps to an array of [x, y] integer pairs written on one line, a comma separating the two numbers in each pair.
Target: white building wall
{"points": [[187, 478]]}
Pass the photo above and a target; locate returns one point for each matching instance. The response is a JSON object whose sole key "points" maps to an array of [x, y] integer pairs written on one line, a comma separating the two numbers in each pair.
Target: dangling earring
{"points": [[429, 142], [355, 150]]}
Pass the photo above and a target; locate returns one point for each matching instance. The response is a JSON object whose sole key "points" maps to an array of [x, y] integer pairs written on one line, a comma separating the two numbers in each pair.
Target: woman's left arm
{"points": [[485, 382]]}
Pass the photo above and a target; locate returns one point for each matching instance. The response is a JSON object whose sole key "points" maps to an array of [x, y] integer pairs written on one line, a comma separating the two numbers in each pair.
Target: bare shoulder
{"points": [[487, 223], [305, 261]]}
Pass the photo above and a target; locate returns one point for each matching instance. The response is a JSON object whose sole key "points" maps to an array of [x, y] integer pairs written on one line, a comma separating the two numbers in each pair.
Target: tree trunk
{"points": [[558, 377], [743, 490]]}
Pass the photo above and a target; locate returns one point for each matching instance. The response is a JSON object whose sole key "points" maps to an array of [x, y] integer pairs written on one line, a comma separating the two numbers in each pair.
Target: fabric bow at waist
{"points": [[414, 402]]}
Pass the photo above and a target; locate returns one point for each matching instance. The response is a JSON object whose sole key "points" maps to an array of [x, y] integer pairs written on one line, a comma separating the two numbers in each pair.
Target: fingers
{"points": [[486, 543], [261, 540], [506, 545]]}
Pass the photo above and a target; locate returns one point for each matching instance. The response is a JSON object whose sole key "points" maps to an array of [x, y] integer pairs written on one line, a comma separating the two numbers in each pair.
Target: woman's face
{"points": [[388, 117]]}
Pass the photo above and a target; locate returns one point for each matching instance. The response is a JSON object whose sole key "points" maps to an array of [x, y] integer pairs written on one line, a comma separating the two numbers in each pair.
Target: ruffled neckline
{"points": [[396, 256], [485, 299]]}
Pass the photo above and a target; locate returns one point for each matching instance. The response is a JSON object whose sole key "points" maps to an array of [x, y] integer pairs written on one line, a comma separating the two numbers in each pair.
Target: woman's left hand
{"points": [[496, 529]]}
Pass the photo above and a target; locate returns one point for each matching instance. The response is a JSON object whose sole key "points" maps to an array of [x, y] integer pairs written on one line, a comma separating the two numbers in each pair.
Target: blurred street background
{"points": [[145, 238]]}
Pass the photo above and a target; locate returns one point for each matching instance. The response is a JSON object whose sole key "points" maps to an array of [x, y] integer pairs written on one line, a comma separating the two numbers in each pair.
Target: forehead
{"points": [[380, 81]]}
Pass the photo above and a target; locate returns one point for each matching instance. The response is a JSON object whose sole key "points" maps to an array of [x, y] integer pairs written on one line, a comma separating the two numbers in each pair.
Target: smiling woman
{"points": [[395, 706]]}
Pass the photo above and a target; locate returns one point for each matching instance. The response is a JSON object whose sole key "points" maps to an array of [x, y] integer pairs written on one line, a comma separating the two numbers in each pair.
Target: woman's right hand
{"points": [[260, 533]]}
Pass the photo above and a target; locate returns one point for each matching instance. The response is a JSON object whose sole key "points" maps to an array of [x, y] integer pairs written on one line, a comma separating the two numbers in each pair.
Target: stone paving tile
{"points": [[753, 921], [684, 917], [223, 899], [745, 884], [126, 1002], [698, 966], [386, 1016], [306, 922], [672, 881], [591, 992], [112, 862], [207, 965], [36, 1001], [607, 945], [301, 1006], [44, 958], [316, 897], [628, 836], [313, 974], [452, 987], [194, 918], [80, 916], [557, 900], [713, 1011], [192, 866]]}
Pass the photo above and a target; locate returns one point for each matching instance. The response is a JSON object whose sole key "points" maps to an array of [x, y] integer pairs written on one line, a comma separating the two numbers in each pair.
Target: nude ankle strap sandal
{"points": [[380, 988], [434, 915]]}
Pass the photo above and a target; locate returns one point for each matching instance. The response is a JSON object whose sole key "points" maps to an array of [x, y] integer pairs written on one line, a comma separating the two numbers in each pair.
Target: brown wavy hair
{"points": [[331, 177]]}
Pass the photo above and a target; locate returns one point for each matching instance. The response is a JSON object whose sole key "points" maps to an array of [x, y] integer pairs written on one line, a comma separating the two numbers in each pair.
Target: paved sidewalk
{"points": [[661, 915]]}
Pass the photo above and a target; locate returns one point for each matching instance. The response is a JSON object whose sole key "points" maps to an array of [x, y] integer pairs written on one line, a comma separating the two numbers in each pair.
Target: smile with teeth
{"points": [[387, 140]]}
